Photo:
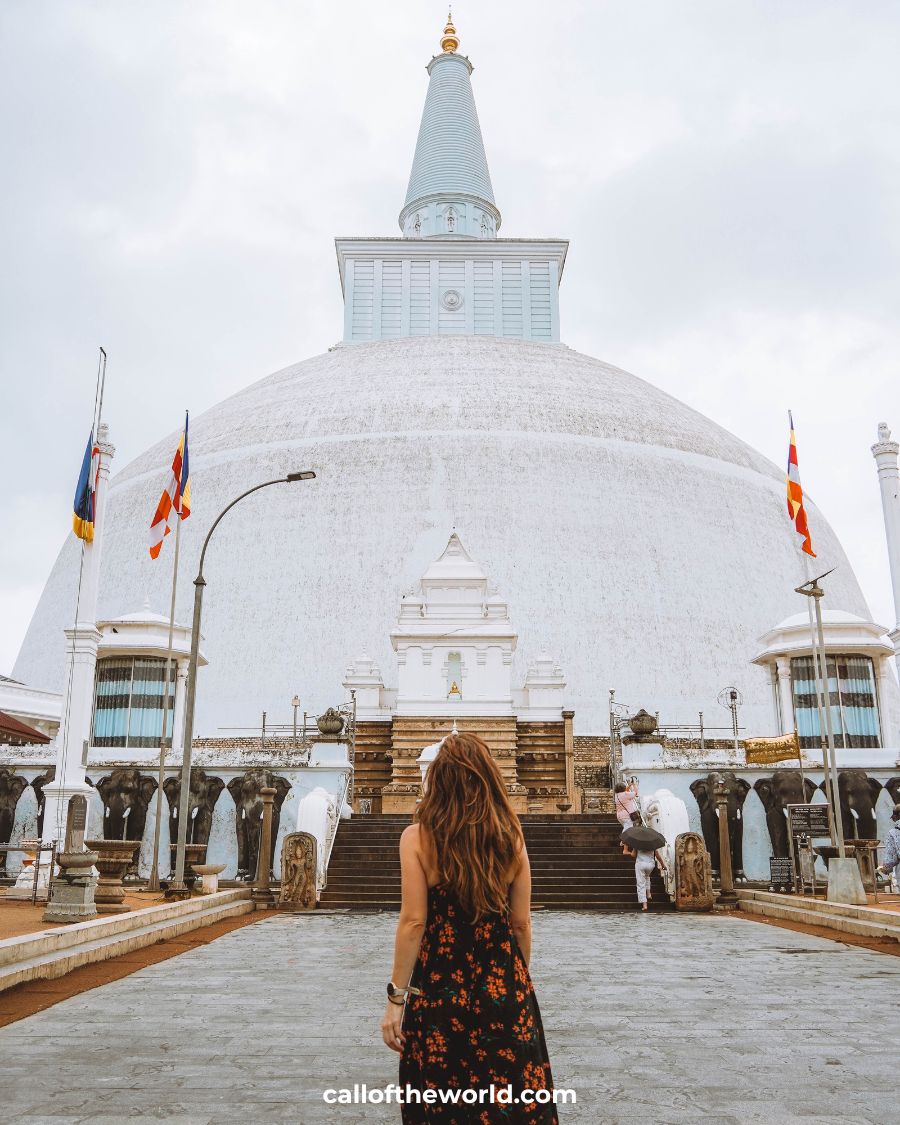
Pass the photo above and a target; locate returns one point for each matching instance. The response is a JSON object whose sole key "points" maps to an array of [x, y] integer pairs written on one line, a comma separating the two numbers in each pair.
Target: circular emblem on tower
{"points": [[452, 300]]}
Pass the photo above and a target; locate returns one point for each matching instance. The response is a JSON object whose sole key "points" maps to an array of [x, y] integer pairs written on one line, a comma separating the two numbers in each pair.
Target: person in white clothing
{"points": [[644, 862]]}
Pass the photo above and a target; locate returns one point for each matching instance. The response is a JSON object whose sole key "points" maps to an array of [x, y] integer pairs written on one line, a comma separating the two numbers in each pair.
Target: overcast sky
{"points": [[174, 174]]}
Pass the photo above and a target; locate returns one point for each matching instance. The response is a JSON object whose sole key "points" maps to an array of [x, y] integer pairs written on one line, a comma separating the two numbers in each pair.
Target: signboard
{"points": [[781, 871], [809, 820], [769, 751]]}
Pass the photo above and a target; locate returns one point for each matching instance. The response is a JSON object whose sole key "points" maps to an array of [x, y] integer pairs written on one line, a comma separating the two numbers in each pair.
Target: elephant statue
{"points": [[248, 815], [785, 787], [37, 785], [893, 788], [204, 793], [858, 794], [126, 795], [704, 794], [11, 789]]}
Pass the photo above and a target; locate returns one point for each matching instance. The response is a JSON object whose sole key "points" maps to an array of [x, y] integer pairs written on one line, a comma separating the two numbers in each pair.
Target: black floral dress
{"points": [[476, 1023]]}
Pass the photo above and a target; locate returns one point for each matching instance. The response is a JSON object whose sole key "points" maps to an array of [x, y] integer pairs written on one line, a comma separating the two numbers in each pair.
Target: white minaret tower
{"points": [[885, 453]]}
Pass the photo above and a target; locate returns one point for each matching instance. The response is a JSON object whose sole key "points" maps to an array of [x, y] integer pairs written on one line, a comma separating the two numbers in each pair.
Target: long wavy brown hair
{"points": [[470, 823]]}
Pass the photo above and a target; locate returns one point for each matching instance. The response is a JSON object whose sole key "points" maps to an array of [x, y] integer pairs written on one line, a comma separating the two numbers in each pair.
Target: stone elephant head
{"points": [[704, 794], [37, 785], [783, 788], [248, 815], [204, 792], [858, 794], [11, 789], [126, 795], [893, 788]]}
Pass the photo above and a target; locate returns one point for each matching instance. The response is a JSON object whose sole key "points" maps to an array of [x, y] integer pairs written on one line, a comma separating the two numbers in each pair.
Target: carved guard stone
{"points": [[693, 873], [298, 872]]}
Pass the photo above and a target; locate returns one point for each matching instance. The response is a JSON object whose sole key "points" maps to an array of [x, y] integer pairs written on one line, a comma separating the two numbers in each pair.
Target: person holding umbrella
{"points": [[643, 843]]}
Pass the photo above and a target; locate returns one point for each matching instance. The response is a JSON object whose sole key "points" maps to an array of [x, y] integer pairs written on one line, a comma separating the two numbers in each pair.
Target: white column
{"points": [[181, 674], [885, 453], [887, 716], [81, 663], [785, 695]]}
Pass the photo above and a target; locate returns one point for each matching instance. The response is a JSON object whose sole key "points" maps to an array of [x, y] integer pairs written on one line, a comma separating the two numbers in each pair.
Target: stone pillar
{"points": [[785, 694], [262, 893], [885, 452], [80, 667], [573, 793], [181, 675], [727, 899]]}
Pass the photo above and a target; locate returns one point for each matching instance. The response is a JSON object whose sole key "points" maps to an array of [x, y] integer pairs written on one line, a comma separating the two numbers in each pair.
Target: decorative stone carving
{"points": [[737, 789], [114, 857], [785, 787], [332, 722], [11, 789], [452, 300], [643, 724], [245, 791], [72, 892], [298, 872], [126, 796], [693, 873], [37, 785], [204, 792]]}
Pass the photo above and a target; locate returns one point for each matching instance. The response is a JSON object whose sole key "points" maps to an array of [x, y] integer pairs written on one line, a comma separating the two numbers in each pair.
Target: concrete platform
{"points": [[873, 921], [58, 950]]}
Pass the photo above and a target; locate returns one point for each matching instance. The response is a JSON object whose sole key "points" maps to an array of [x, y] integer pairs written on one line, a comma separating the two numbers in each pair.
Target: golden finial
{"points": [[449, 40]]}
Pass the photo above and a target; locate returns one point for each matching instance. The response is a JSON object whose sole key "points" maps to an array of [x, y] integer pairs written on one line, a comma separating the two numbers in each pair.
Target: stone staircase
{"points": [[576, 864]]}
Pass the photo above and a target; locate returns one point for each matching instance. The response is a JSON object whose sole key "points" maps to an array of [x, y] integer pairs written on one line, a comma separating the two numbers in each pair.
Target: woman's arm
{"points": [[520, 905], [410, 927]]}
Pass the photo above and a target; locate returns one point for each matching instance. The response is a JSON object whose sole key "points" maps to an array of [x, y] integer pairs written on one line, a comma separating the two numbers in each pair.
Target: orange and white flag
{"points": [[796, 510], [176, 496]]}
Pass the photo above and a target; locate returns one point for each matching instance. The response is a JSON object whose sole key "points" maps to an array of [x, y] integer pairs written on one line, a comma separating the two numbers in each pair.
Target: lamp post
{"points": [[177, 888], [295, 703]]}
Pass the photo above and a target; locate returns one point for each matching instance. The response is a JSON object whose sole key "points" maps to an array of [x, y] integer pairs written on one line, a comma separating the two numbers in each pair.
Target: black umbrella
{"points": [[643, 839]]}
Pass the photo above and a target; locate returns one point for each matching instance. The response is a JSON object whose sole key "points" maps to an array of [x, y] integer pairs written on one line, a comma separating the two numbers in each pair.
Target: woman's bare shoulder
{"points": [[411, 836]]}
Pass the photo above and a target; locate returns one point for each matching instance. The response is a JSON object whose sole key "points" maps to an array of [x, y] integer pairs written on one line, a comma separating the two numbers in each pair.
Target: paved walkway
{"points": [[719, 1020]]}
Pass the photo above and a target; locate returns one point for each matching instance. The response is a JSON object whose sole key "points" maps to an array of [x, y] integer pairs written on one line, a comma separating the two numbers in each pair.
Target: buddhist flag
{"points": [[85, 492], [176, 496], [795, 494]]}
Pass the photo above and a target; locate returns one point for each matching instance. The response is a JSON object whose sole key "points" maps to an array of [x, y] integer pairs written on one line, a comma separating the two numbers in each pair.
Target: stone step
{"points": [[865, 921], [54, 952]]}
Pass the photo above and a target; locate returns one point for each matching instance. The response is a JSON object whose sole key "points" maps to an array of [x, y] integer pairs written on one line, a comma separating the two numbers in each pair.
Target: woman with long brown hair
{"points": [[461, 1009]]}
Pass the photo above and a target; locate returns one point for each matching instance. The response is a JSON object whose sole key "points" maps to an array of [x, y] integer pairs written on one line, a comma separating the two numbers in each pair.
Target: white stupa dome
{"points": [[642, 545]]}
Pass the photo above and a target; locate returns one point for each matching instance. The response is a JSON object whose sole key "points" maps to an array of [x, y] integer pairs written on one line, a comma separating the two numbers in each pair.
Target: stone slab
{"points": [[52, 953], [663, 1018]]}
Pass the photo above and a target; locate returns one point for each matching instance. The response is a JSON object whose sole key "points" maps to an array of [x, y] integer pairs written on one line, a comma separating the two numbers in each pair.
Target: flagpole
{"points": [[153, 881], [823, 700], [63, 758]]}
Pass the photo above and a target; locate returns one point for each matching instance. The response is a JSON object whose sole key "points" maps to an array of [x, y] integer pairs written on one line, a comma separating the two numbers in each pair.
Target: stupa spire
{"points": [[450, 193], [449, 40]]}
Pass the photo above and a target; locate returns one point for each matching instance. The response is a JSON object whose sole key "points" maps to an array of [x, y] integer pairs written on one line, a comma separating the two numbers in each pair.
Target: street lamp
{"points": [[295, 703], [177, 889]]}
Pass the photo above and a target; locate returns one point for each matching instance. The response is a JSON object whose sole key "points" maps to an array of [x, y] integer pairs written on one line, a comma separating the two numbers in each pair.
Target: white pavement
{"points": [[658, 1019]]}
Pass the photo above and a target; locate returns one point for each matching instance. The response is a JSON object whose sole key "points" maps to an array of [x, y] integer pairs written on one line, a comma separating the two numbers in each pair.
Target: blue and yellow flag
{"points": [[83, 515]]}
